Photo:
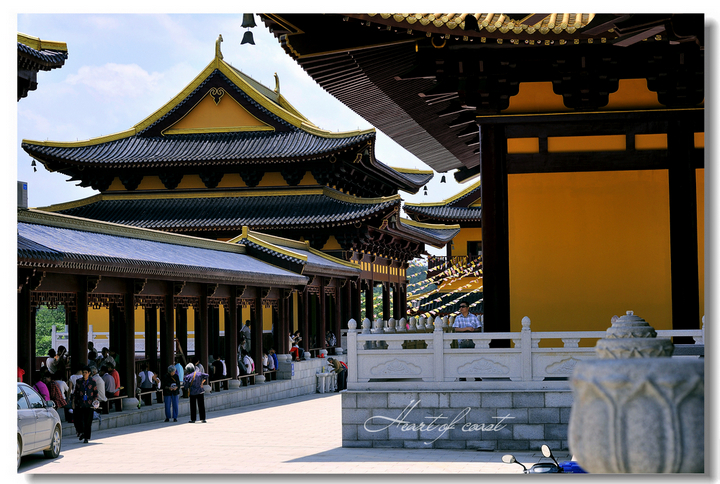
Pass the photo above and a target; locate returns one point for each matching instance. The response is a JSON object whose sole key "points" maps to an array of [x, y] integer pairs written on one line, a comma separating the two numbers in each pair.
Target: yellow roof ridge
{"points": [[244, 192], [412, 170], [413, 223], [284, 111], [39, 44], [252, 236], [331, 192], [447, 201], [295, 244], [110, 228]]}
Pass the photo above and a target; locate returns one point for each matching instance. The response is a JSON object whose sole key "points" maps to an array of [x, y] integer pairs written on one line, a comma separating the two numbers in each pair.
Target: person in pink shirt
{"points": [[42, 389]]}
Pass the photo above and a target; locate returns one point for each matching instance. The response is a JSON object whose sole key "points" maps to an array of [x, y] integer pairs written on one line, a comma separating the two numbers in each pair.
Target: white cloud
{"points": [[117, 80]]}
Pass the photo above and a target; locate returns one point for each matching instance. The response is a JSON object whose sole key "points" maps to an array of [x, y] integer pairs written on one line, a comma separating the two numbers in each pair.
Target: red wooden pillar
{"points": [[305, 330], [201, 333], [256, 331], [26, 333], [231, 335], [337, 326], [167, 334], [126, 338], [322, 321]]}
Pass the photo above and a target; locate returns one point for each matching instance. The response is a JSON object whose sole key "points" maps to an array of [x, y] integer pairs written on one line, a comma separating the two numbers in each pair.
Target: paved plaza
{"points": [[300, 435]]}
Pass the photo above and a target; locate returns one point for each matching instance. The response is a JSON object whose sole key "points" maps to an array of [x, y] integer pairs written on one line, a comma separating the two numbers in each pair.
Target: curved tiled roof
{"points": [[47, 59], [445, 213], [439, 233], [29, 249], [273, 210], [456, 23], [84, 244], [189, 148], [40, 54]]}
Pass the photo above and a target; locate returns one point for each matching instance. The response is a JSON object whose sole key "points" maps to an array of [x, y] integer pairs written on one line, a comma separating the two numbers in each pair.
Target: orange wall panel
{"points": [[587, 246]]}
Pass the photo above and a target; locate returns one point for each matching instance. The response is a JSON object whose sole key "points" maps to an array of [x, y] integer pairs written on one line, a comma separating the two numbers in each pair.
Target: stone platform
{"points": [[461, 419]]}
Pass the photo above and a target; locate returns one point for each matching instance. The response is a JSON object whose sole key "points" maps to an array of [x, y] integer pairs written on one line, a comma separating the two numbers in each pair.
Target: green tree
{"points": [[44, 319]]}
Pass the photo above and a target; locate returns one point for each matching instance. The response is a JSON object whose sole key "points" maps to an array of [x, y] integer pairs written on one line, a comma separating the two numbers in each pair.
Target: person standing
{"points": [[194, 381], [246, 332], [171, 393], [466, 322], [85, 401]]}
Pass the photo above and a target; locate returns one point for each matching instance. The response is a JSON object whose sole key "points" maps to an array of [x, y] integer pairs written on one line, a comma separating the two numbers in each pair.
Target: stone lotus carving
{"points": [[644, 417], [395, 368], [562, 367], [635, 412], [483, 365]]}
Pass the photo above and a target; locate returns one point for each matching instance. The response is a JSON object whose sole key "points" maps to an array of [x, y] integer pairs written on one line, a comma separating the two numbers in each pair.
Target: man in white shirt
{"points": [[466, 322], [99, 382]]}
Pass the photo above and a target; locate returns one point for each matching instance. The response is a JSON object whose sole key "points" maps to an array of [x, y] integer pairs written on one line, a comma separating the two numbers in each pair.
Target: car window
{"points": [[36, 401], [21, 402]]}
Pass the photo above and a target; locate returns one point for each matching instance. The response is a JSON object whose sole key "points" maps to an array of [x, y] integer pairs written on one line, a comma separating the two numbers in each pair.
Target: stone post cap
{"points": [[631, 336], [352, 324]]}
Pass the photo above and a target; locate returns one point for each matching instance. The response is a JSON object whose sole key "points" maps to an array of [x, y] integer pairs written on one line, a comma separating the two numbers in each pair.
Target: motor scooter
{"points": [[566, 467]]}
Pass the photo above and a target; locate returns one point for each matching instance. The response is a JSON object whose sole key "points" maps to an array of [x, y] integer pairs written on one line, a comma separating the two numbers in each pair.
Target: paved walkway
{"points": [[300, 435]]}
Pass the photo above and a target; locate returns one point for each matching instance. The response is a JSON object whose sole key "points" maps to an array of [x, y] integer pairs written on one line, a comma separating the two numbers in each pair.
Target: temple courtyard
{"points": [[300, 435]]}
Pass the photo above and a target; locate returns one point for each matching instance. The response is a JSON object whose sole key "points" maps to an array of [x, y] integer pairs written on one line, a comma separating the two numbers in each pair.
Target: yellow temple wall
{"points": [[587, 246], [459, 247]]}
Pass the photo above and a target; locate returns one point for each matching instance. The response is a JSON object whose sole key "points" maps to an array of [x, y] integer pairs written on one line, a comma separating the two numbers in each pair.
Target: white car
{"points": [[38, 424]]}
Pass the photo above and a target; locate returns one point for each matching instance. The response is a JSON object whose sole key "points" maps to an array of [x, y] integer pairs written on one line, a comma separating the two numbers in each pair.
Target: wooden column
{"points": [[181, 329], [386, 301], [496, 266], [281, 347], [356, 306], [337, 305], [126, 340], [397, 303], [322, 320], [346, 304], [231, 335], [369, 313], [683, 230], [201, 333], [79, 332], [26, 333], [256, 331], [305, 330], [403, 300], [151, 329], [167, 334]]}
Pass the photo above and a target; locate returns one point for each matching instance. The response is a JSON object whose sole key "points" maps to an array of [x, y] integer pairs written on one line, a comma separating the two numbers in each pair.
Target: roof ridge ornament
{"points": [[218, 53], [277, 83]]}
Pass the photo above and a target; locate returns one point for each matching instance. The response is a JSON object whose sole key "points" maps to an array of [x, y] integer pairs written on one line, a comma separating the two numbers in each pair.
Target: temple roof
{"points": [[107, 247], [224, 119], [212, 211], [436, 235], [37, 54], [433, 74], [453, 209], [200, 149], [34, 55], [317, 261]]}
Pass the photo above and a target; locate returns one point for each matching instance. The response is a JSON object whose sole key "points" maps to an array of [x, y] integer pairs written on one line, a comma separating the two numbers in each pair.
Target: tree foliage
{"points": [[44, 319]]}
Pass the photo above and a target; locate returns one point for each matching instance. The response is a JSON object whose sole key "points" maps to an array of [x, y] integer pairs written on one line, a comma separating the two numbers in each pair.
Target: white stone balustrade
{"points": [[524, 365]]}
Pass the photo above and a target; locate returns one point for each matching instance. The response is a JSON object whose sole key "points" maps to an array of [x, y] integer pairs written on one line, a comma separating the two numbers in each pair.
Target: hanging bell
{"points": [[33, 163], [248, 20], [442, 180], [248, 38]]}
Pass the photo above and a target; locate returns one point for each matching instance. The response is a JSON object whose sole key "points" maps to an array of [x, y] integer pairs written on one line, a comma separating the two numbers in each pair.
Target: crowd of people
{"points": [[81, 395]]}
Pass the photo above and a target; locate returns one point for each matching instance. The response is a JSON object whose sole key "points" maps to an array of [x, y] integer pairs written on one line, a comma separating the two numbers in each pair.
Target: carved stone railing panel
{"points": [[374, 365]]}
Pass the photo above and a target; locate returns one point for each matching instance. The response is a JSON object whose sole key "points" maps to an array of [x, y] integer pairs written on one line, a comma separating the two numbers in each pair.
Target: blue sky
{"points": [[121, 68]]}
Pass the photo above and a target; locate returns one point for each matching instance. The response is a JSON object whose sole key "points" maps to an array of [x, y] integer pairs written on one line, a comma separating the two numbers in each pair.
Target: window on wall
{"points": [[474, 248]]}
